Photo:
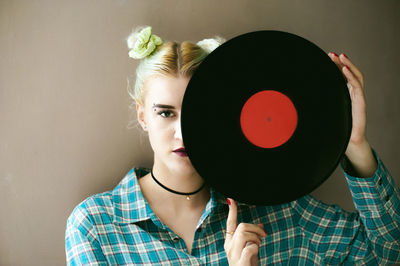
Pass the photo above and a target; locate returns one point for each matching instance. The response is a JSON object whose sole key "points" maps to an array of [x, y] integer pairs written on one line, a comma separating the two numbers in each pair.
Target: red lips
{"points": [[181, 152]]}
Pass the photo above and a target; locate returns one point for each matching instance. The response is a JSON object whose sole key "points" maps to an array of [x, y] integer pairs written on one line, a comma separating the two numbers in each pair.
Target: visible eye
{"points": [[166, 113]]}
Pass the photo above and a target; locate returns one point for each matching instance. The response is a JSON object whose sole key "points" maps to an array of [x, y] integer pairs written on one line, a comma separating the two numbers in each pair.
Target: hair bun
{"points": [[210, 45], [142, 43]]}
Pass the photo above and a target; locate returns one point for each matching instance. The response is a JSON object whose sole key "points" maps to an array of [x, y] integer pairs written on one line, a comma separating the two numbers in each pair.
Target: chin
{"points": [[183, 165]]}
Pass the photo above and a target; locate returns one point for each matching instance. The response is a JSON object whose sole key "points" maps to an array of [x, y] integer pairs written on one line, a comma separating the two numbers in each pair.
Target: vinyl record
{"points": [[266, 117]]}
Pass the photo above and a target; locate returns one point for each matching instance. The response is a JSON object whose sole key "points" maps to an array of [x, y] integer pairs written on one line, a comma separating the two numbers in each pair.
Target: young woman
{"points": [[169, 216]]}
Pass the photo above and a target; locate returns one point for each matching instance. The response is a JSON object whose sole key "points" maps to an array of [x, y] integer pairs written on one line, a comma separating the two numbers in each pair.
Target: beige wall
{"points": [[64, 107]]}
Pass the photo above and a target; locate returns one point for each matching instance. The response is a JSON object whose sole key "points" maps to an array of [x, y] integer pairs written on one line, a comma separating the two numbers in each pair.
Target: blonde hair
{"points": [[170, 59]]}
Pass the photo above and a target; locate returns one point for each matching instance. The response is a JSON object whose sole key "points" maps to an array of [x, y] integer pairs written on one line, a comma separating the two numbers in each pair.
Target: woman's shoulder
{"points": [[99, 207], [86, 213]]}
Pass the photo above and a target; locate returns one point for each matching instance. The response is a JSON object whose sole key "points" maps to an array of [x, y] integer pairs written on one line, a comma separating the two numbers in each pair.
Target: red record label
{"points": [[268, 119]]}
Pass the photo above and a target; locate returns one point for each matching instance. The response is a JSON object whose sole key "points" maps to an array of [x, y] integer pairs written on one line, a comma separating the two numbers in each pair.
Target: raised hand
{"points": [[358, 150], [242, 241], [355, 84]]}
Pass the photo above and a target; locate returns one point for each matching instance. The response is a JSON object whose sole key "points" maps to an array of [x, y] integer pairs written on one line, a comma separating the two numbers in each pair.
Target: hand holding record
{"points": [[242, 241], [358, 150], [355, 84]]}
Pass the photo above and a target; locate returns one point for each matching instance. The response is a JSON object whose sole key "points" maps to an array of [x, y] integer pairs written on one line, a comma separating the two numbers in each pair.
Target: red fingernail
{"points": [[229, 202], [334, 54], [266, 232], [347, 67], [344, 55]]}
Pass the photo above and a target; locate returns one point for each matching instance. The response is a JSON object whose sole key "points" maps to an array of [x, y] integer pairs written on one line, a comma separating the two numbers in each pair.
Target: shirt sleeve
{"points": [[81, 246], [368, 236], [377, 199]]}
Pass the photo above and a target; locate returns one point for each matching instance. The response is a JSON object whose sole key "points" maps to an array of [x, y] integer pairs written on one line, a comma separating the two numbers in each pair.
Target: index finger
{"points": [[231, 221]]}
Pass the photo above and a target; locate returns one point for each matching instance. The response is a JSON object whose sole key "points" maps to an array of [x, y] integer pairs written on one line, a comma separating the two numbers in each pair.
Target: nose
{"points": [[178, 131]]}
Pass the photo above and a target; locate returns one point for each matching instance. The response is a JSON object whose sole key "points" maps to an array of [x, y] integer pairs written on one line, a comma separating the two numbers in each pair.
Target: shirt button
{"points": [[199, 229], [380, 182], [387, 197], [176, 239]]}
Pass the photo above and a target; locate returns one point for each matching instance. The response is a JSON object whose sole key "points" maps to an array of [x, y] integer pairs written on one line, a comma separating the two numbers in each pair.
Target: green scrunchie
{"points": [[145, 44]]}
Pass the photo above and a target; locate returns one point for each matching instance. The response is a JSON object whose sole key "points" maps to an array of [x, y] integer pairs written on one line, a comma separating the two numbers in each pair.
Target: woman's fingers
{"points": [[341, 61], [241, 238], [357, 73], [242, 241], [231, 221], [249, 255], [252, 228], [231, 224], [335, 59], [353, 83]]}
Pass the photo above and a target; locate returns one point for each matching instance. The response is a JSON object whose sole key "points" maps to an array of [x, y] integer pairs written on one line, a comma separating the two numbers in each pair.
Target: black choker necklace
{"points": [[174, 191]]}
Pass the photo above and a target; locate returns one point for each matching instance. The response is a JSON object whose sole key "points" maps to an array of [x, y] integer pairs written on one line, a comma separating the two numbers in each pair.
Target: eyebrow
{"points": [[163, 106]]}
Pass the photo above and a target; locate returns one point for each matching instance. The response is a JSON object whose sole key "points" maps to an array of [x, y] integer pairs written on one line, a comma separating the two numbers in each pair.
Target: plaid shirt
{"points": [[118, 227]]}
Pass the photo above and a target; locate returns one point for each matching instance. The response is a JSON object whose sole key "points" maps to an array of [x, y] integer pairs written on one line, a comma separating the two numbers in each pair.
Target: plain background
{"points": [[64, 116]]}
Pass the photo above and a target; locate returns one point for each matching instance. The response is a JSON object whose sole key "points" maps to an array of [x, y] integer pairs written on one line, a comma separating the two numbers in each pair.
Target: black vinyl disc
{"points": [[266, 117]]}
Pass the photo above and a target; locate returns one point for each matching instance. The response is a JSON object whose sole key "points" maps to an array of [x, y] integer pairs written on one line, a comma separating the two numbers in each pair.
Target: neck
{"points": [[176, 180], [187, 194]]}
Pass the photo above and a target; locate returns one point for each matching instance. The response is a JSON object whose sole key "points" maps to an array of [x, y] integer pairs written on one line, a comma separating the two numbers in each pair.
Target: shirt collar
{"points": [[130, 206]]}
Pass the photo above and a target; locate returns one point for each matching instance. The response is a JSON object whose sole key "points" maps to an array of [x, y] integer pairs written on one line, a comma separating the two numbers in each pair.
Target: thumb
{"points": [[231, 221]]}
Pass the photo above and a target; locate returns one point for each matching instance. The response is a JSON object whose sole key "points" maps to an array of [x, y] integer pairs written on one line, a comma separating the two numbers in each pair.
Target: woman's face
{"points": [[160, 116]]}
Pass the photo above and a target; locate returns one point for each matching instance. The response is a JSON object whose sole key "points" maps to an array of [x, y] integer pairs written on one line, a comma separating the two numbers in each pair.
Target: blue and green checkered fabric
{"points": [[118, 227]]}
